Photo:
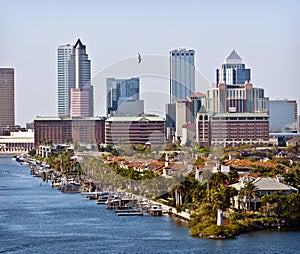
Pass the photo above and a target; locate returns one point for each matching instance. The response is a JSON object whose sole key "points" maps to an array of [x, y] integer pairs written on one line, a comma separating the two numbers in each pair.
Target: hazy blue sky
{"points": [[265, 33]]}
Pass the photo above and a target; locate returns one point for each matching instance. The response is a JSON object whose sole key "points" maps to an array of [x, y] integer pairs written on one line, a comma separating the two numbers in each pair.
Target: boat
{"points": [[155, 210], [70, 187], [129, 210], [103, 197], [91, 195], [118, 202], [130, 213]]}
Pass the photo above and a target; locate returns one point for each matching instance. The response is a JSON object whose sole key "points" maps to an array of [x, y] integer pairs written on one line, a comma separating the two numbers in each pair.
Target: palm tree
{"points": [[249, 191], [218, 179]]}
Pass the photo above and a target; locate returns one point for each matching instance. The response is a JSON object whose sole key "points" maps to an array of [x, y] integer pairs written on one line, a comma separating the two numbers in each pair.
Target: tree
{"points": [[199, 162], [249, 191], [233, 176], [219, 179]]}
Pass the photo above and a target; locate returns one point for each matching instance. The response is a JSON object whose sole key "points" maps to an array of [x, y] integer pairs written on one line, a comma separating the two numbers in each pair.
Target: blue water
{"points": [[36, 218]]}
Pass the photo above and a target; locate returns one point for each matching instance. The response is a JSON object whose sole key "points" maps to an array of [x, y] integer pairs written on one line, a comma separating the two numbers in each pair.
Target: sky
{"points": [[266, 34]]}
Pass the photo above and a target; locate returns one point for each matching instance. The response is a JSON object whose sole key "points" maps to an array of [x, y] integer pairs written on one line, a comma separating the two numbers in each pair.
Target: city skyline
{"points": [[265, 35]]}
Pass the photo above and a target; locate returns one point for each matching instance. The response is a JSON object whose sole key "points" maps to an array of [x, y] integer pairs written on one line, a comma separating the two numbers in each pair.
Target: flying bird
{"points": [[139, 58]]}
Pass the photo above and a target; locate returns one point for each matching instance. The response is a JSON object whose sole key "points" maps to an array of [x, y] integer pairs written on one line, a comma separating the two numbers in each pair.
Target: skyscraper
{"points": [[182, 74], [234, 92], [236, 99], [80, 102], [236, 112], [233, 71], [7, 97], [118, 90], [64, 53], [283, 115], [80, 77]]}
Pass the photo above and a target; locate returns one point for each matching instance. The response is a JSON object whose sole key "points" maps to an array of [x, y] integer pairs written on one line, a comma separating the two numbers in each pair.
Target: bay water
{"points": [[36, 218]]}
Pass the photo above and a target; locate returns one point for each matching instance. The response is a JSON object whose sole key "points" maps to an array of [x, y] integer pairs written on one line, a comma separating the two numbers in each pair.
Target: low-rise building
{"points": [[60, 130], [17, 142], [264, 186], [135, 130], [232, 129]]}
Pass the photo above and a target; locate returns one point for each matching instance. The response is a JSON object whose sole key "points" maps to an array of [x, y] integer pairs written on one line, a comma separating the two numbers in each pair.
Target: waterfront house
{"points": [[264, 186]]}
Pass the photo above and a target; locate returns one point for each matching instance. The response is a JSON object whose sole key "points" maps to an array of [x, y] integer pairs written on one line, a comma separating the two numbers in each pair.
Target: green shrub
{"points": [[199, 227], [227, 231]]}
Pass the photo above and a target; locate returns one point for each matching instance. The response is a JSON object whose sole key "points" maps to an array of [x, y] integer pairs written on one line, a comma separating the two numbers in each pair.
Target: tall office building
{"points": [[236, 112], [234, 92], [182, 74], [118, 90], [80, 77], [64, 53], [184, 115], [7, 97], [236, 99], [283, 115], [80, 102], [233, 71]]}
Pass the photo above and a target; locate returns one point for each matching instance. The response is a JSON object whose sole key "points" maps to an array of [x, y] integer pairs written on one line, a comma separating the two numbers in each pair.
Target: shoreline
{"points": [[183, 217], [45, 176], [266, 229]]}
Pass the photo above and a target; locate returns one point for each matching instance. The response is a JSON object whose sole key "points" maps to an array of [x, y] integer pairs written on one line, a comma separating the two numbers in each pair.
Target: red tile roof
{"points": [[197, 94]]}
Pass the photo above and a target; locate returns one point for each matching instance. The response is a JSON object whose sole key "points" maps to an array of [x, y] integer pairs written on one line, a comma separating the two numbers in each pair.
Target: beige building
{"points": [[184, 115], [17, 142]]}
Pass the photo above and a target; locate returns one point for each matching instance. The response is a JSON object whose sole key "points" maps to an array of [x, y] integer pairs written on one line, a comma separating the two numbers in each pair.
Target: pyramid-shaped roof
{"points": [[233, 58], [79, 44]]}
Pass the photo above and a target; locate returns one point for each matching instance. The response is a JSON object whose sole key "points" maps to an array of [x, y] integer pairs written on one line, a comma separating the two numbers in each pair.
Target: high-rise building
{"points": [[234, 92], [130, 108], [182, 74], [7, 97], [64, 53], [283, 115], [184, 115], [118, 90], [236, 112], [236, 99], [80, 76], [80, 102], [233, 71]]}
